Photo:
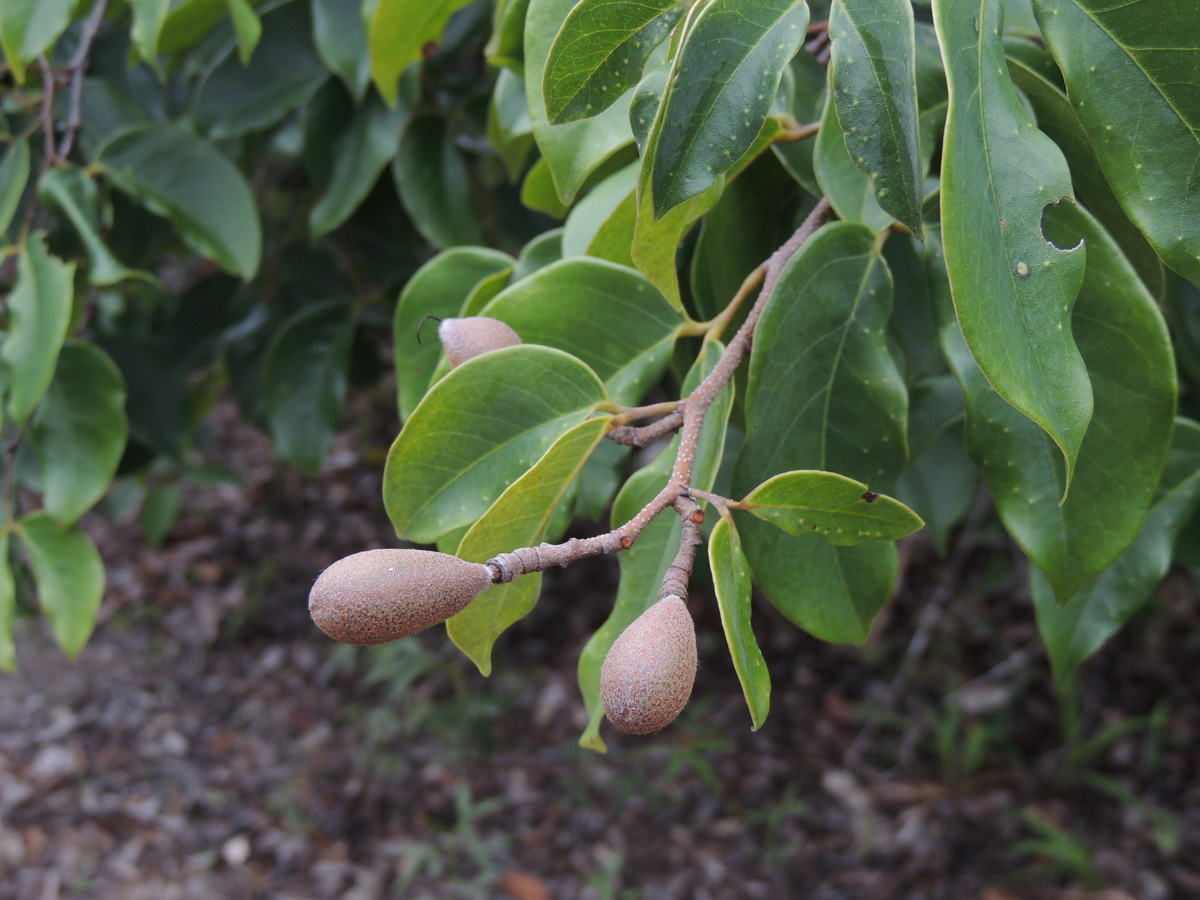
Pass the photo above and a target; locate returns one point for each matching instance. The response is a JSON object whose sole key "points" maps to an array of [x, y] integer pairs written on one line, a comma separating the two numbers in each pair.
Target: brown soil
{"points": [[209, 742]]}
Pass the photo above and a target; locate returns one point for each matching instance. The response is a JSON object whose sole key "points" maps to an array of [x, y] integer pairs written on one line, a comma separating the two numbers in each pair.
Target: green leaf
{"points": [[824, 393], [606, 315], [346, 148], [1072, 634], [189, 21], [539, 253], [538, 191], [1055, 117], [506, 46], [159, 512], [340, 36], [808, 100], [752, 218], [176, 174], [1013, 289], [246, 26], [643, 565], [237, 98], [600, 53], [28, 27], [933, 97], [509, 128], [157, 401], [433, 183], [520, 517], [148, 19], [72, 192], [847, 187], [39, 314], [8, 609], [14, 173], [831, 507], [597, 208], [398, 33], [79, 431], [69, 574], [731, 579], [477, 431], [1125, 344], [304, 383], [722, 84], [1134, 82], [576, 149], [656, 241], [439, 288], [873, 74]]}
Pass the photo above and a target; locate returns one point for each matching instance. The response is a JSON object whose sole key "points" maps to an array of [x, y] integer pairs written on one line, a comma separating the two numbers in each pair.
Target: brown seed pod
{"points": [[647, 677], [464, 339], [381, 595]]}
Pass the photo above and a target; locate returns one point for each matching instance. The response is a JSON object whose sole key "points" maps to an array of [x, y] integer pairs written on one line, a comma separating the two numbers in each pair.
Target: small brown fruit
{"points": [[648, 674], [381, 595], [464, 339]]}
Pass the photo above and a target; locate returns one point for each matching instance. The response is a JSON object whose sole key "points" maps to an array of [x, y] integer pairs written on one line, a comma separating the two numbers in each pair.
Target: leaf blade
{"points": [[731, 579]]}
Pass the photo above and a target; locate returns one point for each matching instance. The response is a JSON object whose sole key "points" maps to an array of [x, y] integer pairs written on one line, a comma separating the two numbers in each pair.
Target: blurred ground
{"points": [[210, 743]]}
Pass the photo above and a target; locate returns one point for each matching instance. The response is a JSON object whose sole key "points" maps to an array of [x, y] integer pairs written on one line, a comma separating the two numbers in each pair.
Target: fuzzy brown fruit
{"points": [[381, 595], [647, 676], [464, 339]]}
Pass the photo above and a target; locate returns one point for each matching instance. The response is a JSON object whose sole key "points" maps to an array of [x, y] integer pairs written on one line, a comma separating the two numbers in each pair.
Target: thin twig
{"points": [[78, 64], [642, 435], [691, 414], [679, 573], [798, 133]]}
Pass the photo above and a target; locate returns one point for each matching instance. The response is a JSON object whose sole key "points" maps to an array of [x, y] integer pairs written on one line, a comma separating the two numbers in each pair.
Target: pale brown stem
{"points": [[690, 413], [78, 64]]}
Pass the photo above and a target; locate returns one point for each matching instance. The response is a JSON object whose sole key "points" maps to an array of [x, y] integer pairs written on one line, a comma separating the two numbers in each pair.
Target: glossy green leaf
{"points": [[477, 431], [808, 78], [8, 609], [340, 36], [28, 27], [849, 190], [1125, 344], [506, 46], [189, 21], [600, 53], [1013, 290], [176, 174], [246, 26], [1072, 634], [78, 433], [520, 517], [486, 290], [613, 240], [509, 128], [933, 97], [1133, 76], [397, 34], [1056, 118], [872, 67], [824, 393], [432, 179], [148, 19], [538, 191], [941, 482], [539, 253], [237, 98], [751, 219], [14, 174], [656, 241], [439, 288], [831, 507], [304, 383], [605, 315], [347, 147], [576, 149], [731, 579], [69, 574], [722, 84], [643, 565], [72, 192], [596, 208], [39, 315]]}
